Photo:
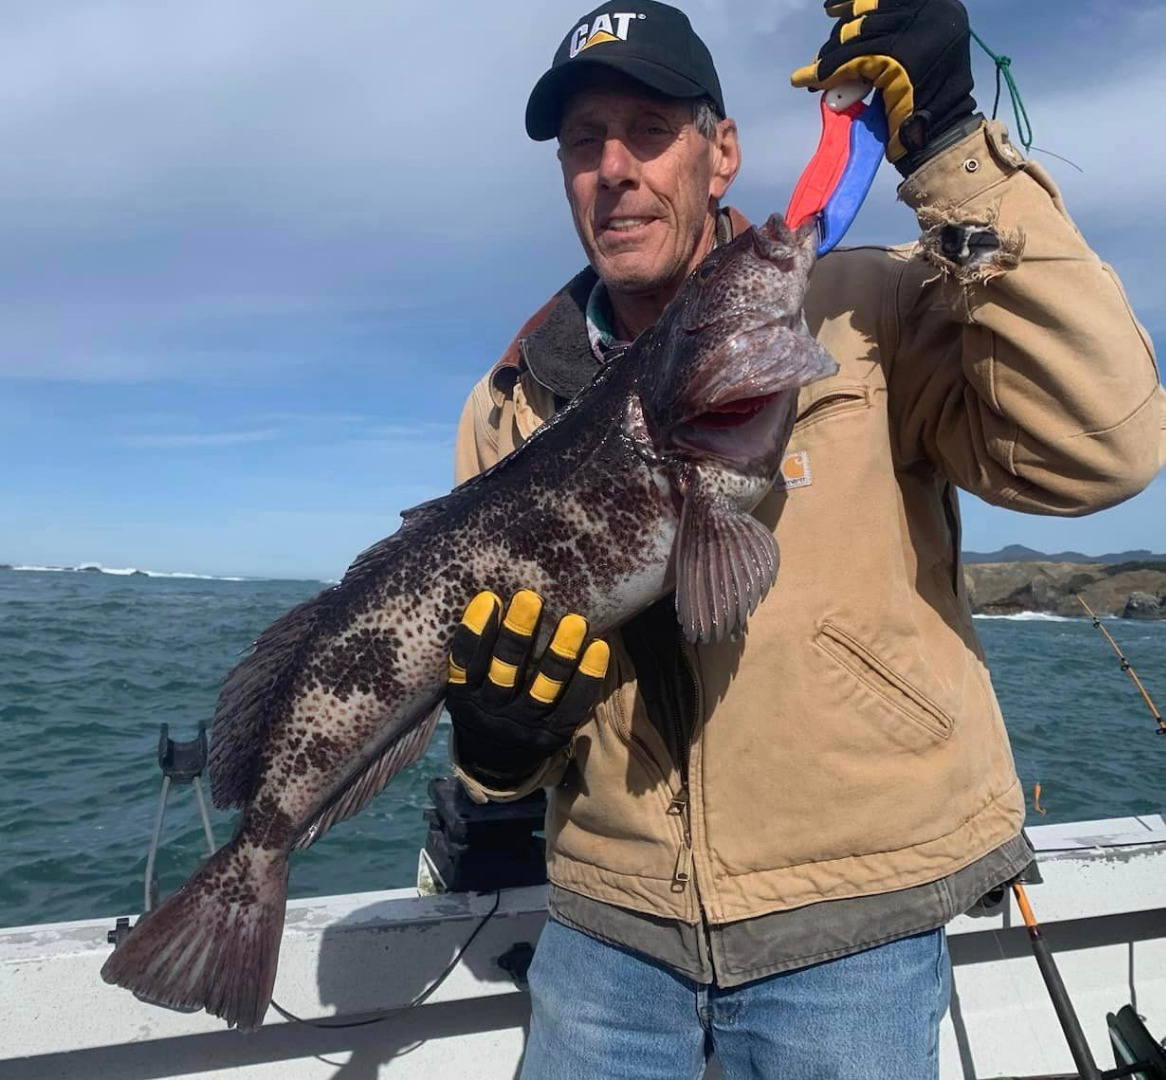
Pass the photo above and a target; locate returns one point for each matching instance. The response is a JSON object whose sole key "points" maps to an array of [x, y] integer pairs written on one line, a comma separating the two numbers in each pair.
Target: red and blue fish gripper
{"points": [[839, 175]]}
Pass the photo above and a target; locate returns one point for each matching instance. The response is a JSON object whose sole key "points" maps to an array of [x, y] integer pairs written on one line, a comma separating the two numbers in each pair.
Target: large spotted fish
{"points": [[642, 485]]}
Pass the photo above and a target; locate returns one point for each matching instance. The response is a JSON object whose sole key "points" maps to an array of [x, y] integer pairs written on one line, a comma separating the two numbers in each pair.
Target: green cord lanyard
{"points": [[1004, 70]]}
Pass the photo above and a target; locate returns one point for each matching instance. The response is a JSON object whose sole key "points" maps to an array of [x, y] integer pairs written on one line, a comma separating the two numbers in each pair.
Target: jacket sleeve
{"points": [[475, 450], [1018, 369], [546, 775], [476, 444]]}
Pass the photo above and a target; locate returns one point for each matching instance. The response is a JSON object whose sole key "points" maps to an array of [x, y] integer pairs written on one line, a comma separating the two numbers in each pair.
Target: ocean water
{"points": [[92, 663]]}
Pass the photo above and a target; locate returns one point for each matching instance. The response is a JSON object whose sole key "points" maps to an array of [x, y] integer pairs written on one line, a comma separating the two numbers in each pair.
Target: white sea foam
{"points": [[196, 577], [129, 571], [1032, 616]]}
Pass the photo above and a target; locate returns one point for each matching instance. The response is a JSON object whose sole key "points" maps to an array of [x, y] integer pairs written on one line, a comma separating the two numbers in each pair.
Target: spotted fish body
{"points": [[642, 485]]}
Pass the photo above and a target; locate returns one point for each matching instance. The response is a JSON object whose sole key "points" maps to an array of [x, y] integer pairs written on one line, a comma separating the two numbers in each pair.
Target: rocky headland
{"points": [[1132, 590]]}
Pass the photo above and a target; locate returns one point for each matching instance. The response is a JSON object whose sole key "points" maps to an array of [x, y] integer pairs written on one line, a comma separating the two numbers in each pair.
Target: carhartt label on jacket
{"points": [[795, 471]]}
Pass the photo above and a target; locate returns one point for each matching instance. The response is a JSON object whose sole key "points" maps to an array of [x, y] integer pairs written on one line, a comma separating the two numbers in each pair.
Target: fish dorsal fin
{"points": [[398, 755], [250, 695], [726, 561], [422, 512]]}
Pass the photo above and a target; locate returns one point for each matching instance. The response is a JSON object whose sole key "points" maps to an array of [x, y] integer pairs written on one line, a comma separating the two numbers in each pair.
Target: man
{"points": [[754, 845]]}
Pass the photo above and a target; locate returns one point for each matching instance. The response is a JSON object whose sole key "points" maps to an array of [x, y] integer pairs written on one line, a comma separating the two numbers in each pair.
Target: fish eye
{"points": [[705, 272]]}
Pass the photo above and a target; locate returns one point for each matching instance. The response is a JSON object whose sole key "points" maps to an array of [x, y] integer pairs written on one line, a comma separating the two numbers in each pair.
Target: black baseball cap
{"points": [[649, 42]]}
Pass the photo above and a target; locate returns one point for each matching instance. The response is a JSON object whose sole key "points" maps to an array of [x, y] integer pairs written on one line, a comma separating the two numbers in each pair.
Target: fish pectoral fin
{"points": [[360, 790], [726, 561]]}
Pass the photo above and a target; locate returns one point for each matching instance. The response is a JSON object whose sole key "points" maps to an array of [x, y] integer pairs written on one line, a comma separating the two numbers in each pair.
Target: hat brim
{"points": [[544, 110]]}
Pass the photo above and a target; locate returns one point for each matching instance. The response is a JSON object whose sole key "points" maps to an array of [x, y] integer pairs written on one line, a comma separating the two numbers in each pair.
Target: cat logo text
{"points": [[606, 28]]}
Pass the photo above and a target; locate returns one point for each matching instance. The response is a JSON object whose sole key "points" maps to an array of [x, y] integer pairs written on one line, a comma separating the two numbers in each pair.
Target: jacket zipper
{"points": [[680, 805], [677, 807]]}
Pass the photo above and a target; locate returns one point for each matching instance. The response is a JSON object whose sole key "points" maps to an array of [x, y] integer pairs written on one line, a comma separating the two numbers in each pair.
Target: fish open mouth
{"points": [[732, 414], [742, 394], [742, 431]]}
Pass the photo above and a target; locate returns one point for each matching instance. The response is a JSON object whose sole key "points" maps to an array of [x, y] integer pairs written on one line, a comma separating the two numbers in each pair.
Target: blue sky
{"points": [[256, 254]]}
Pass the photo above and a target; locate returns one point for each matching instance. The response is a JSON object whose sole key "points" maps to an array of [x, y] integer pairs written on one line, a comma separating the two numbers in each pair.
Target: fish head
{"points": [[724, 363]]}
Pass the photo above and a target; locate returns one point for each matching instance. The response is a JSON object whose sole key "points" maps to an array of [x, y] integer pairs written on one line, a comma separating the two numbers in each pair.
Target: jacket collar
{"points": [[558, 353]]}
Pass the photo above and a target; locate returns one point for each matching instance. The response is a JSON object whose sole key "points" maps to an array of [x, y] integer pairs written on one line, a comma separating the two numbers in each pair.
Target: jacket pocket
{"points": [[880, 678], [831, 401], [647, 748], [638, 747]]}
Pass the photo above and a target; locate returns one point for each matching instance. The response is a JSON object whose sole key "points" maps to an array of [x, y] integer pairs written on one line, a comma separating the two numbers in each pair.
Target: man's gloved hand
{"points": [[507, 724], [918, 53]]}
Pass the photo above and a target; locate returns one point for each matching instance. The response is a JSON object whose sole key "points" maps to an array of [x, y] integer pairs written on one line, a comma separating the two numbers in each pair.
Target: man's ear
{"points": [[726, 158]]}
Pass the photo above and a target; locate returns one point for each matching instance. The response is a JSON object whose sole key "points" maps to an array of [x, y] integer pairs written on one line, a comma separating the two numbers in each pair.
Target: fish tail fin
{"points": [[214, 944]]}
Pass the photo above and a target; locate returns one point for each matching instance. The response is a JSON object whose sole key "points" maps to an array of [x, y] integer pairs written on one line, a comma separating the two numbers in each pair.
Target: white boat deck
{"points": [[1103, 907]]}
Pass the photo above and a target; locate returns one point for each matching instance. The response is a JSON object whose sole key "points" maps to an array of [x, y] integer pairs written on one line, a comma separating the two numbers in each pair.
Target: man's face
{"points": [[639, 177]]}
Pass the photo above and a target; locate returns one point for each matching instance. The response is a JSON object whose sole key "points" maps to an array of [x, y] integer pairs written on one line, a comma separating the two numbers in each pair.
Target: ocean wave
{"points": [[195, 577], [133, 571], [1033, 616], [129, 571]]}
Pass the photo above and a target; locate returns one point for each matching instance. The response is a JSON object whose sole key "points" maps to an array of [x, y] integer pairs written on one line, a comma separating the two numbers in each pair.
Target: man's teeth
{"points": [[624, 223]]}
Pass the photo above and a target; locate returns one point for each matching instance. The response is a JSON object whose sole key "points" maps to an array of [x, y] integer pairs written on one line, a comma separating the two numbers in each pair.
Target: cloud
{"points": [[426, 433], [212, 191], [199, 440], [307, 431]]}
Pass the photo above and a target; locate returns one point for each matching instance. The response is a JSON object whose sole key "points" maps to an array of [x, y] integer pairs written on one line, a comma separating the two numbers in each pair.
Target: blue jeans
{"points": [[603, 1013]]}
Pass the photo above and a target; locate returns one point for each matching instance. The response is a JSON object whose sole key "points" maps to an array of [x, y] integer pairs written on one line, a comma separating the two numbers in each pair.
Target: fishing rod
{"points": [[1127, 667], [1067, 1016], [1138, 1055]]}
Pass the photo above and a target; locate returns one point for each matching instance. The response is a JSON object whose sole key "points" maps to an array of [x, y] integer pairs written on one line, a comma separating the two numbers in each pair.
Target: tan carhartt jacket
{"points": [[851, 743]]}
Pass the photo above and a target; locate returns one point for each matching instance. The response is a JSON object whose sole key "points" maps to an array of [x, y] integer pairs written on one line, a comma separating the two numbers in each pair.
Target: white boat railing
{"points": [[347, 958]]}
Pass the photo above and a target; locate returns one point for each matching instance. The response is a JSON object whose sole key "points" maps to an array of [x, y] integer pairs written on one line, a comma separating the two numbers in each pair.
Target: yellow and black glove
{"points": [[918, 53], [507, 724]]}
